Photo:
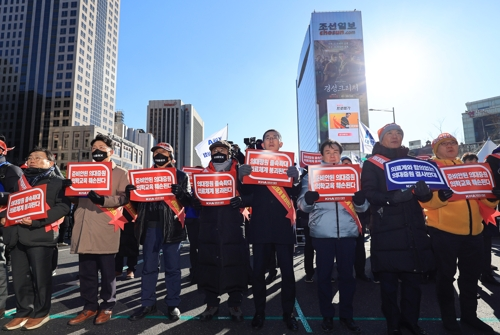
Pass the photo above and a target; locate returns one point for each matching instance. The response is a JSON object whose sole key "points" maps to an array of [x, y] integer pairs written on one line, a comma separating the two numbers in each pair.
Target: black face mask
{"points": [[161, 159], [219, 157], [99, 155]]}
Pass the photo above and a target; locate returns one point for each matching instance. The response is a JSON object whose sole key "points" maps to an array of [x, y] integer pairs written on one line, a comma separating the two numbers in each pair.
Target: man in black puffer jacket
{"points": [[33, 244], [400, 246], [158, 227]]}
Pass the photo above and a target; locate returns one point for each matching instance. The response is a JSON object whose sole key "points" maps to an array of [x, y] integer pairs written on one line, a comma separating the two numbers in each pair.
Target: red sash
{"points": [[116, 216], [280, 194], [176, 207], [131, 210], [378, 160], [349, 207]]}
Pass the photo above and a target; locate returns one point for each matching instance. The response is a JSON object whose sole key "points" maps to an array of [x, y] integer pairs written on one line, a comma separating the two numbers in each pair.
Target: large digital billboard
{"points": [[339, 74]]}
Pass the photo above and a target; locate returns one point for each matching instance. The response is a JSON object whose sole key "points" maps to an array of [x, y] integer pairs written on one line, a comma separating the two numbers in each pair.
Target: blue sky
{"points": [[236, 61]]}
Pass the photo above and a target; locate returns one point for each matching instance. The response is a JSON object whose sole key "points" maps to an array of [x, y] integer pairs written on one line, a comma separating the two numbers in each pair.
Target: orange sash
{"points": [[131, 210], [176, 207], [378, 160], [280, 194], [349, 207]]}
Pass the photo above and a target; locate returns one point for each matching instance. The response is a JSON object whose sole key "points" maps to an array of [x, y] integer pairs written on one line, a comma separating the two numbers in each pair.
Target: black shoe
{"points": [[475, 323], [258, 321], [452, 326], [394, 332], [174, 313], [142, 312], [327, 325], [414, 329], [209, 313], [309, 279], [363, 277], [349, 324], [236, 314], [291, 322], [489, 279], [271, 277]]}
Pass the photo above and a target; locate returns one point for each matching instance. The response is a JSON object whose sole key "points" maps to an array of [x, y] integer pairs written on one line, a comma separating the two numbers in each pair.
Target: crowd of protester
{"points": [[416, 233]]}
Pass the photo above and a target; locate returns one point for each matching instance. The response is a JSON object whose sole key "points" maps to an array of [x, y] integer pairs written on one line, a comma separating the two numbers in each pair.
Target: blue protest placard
{"points": [[405, 172]]}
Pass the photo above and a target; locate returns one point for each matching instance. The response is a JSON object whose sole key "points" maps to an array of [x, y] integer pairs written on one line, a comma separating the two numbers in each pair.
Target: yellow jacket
{"points": [[461, 217]]}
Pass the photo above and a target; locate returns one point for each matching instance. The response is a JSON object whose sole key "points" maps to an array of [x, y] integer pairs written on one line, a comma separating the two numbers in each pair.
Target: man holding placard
{"points": [[272, 224], [33, 240], [222, 253], [160, 226], [455, 227], [400, 247], [334, 227], [96, 239]]}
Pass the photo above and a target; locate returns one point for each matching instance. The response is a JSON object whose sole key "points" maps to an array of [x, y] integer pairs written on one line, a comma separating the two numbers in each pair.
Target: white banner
{"points": [[367, 138], [202, 148]]}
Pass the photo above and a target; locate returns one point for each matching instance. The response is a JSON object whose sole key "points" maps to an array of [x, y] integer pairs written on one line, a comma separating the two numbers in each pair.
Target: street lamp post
{"points": [[385, 110]]}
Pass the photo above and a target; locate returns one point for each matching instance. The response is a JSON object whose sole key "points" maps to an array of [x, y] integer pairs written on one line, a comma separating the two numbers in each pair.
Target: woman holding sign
{"points": [[334, 227], [400, 247], [222, 254], [33, 243], [455, 227]]}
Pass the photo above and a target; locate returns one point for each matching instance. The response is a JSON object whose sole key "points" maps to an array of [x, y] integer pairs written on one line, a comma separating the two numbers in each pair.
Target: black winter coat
{"points": [[399, 240], [223, 255], [173, 230], [268, 223], [35, 235]]}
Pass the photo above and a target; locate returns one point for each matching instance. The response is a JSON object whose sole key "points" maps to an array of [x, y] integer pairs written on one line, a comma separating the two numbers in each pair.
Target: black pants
{"points": [[308, 253], [32, 279], [360, 256], [327, 250], [261, 256], [193, 230], [488, 231], [408, 310], [89, 266], [468, 251], [131, 263], [235, 299]]}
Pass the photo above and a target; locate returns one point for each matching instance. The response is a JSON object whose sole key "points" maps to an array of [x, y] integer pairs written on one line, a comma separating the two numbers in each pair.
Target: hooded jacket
{"points": [[460, 217]]}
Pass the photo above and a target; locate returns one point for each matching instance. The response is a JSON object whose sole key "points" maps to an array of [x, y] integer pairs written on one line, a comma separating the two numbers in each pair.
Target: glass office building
{"points": [[58, 61], [331, 85]]}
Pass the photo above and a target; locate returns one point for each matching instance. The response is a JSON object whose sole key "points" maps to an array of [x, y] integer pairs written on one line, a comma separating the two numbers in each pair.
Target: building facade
{"points": [[179, 124], [72, 144], [481, 120], [330, 84], [58, 61]]}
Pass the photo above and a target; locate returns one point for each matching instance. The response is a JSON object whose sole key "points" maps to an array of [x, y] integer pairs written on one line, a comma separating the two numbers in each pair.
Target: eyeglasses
{"points": [[34, 158], [271, 138], [445, 144]]}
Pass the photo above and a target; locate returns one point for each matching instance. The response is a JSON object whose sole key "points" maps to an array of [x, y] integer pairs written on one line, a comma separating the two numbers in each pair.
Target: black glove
{"points": [[496, 192], [444, 195], [236, 202], [66, 183], [310, 197], [96, 198], [177, 190], [4, 198], [129, 188], [422, 191], [402, 195], [359, 198], [196, 204]]}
